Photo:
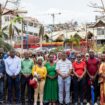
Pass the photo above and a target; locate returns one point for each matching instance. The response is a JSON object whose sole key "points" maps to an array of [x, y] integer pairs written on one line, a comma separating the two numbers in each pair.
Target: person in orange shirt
{"points": [[79, 70], [41, 71]]}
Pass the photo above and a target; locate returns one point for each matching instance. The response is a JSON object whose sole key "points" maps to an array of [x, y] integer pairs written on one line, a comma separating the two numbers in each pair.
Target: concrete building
{"points": [[30, 24]]}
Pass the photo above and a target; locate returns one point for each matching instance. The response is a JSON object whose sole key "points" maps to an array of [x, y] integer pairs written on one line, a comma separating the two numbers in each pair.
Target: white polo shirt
{"points": [[64, 66]]}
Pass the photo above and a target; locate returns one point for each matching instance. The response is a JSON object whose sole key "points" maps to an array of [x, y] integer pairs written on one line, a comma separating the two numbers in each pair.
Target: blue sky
{"points": [[71, 10]]}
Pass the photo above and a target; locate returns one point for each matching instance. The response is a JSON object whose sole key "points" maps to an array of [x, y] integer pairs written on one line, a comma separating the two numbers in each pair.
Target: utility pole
{"points": [[22, 46], [53, 17]]}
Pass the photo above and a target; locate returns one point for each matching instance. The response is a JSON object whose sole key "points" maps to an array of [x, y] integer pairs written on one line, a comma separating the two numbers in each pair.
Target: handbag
{"points": [[33, 82]]}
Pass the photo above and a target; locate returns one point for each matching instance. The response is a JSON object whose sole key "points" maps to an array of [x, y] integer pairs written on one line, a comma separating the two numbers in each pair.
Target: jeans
{"points": [[13, 83], [1, 89], [64, 86], [78, 89], [24, 82]]}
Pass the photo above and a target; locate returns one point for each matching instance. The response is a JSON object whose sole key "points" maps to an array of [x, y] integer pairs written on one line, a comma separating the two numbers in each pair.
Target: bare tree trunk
{"points": [[41, 41], [11, 40], [72, 47]]}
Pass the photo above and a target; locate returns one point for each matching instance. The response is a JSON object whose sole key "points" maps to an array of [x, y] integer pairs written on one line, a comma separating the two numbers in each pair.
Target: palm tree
{"points": [[46, 38], [41, 33], [5, 45], [12, 28], [3, 33], [73, 41]]}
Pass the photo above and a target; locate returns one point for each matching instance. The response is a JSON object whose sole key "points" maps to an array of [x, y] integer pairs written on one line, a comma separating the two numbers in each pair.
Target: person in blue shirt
{"points": [[5, 56], [2, 74]]}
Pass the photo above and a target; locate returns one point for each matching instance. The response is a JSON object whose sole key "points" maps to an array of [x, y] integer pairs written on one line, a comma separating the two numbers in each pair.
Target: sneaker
{"points": [[81, 103], [41, 103], [75, 104], [1, 102], [88, 104], [9, 103], [60, 104], [68, 104], [35, 103], [95, 104]]}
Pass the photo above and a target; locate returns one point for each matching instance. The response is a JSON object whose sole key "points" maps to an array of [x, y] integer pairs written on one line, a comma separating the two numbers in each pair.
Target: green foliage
{"points": [[46, 38], [5, 45], [2, 33], [57, 49], [100, 48], [11, 28], [17, 19], [73, 41]]}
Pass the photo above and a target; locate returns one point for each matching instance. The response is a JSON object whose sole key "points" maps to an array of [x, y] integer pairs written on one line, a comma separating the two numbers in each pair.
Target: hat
{"points": [[40, 57], [86, 54], [91, 50]]}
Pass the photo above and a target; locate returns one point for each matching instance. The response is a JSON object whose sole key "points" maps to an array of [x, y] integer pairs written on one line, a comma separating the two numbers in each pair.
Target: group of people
{"points": [[62, 78]]}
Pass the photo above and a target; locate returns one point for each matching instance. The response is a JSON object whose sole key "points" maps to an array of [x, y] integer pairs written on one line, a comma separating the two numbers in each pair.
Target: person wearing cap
{"points": [[26, 70], [92, 76], [64, 69], [2, 74], [13, 67], [41, 71]]}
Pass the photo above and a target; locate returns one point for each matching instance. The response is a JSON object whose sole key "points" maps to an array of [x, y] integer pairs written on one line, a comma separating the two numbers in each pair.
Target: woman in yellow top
{"points": [[102, 80], [41, 72]]}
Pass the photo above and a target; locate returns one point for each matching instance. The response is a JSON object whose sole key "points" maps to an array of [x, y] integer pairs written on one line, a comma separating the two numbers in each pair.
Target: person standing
{"points": [[2, 75], [26, 70], [51, 85], [41, 71], [79, 70], [102, 80], [13, 67], [64, 69], [92, 76]]}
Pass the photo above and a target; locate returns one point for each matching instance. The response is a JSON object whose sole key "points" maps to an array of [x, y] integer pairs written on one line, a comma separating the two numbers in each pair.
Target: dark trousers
{"points": [[1, 89], [24, 83], [78, 87], [13, 83], [96, 89]]}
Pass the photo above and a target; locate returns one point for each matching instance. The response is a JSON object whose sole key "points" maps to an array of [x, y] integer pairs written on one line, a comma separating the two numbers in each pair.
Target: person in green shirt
{"points": [[51, 85], [26, 70]]}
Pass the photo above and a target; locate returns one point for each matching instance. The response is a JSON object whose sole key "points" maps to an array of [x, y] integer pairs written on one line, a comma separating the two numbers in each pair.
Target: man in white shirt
{"points": [[13, 67], [64, 68]]}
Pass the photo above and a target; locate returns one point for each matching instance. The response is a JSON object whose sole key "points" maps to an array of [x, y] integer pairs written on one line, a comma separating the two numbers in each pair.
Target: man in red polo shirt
{"points": [[92, 77]]}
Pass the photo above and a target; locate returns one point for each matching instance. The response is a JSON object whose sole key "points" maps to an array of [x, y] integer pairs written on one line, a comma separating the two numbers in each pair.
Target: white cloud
{"points": [[70, 9]]}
